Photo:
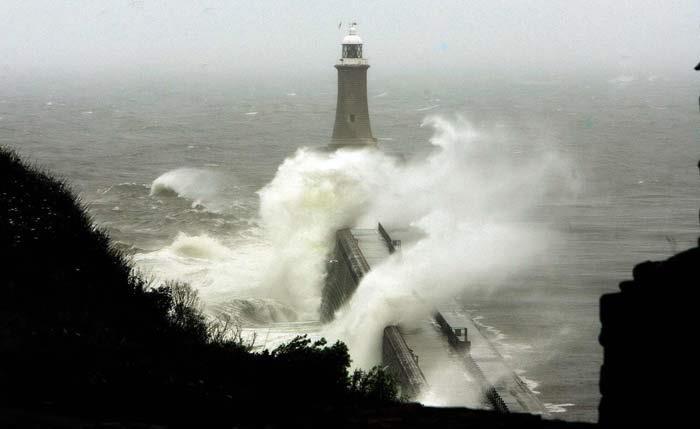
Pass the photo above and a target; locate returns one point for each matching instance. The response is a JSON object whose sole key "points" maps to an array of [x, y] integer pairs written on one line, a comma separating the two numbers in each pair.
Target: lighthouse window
{"points": [[352, 51], [352, 118]]}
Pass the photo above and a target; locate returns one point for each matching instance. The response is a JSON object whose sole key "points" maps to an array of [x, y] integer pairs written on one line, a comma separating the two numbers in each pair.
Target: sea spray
{"points": [[313, 195], [204, 188], [220, 270], [200, 247], [282, 254], [470, 198], [452, 257]]}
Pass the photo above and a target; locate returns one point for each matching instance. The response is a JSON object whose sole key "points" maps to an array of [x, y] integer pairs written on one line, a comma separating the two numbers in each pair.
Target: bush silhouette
{"points": [[81, 333]]}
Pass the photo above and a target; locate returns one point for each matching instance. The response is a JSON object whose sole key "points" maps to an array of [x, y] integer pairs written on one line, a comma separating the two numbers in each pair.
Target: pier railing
{"points": [[351, 251], [391, 244], [402, 363]]}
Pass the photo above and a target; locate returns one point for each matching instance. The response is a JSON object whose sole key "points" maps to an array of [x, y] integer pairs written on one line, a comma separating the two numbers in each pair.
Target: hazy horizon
{"points": [[244, 39]]}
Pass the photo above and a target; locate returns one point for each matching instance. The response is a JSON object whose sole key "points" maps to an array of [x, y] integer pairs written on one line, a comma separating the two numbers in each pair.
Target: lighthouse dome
{"points": [[352, 38]]}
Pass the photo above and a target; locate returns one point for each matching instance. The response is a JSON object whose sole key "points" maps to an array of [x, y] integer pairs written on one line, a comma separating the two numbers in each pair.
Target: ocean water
{"points": [[174, 169]]}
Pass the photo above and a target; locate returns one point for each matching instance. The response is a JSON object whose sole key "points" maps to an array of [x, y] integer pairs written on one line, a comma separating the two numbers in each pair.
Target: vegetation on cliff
{"points": [[81, 333]]}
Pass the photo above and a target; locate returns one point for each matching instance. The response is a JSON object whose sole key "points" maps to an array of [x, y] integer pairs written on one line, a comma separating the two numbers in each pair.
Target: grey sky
{"points": [[260, 36]]}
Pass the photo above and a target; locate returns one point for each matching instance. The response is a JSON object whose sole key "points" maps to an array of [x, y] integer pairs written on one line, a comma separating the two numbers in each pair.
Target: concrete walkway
{"points": [[372, 245], [450, 383], [514, 393]]}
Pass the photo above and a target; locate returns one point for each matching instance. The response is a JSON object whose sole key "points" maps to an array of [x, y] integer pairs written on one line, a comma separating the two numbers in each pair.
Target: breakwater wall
{"points": [[355, 250], [503, 389], [402, 363], [449, 342], [457, 334], [345, 269]]}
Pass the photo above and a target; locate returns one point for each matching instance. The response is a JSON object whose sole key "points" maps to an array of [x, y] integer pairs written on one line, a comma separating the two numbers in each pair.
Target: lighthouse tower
{"points": [[352, 127]]}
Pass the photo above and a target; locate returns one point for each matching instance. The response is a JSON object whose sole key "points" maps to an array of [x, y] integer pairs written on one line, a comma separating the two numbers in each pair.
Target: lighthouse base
{"points": [[356, 143]]}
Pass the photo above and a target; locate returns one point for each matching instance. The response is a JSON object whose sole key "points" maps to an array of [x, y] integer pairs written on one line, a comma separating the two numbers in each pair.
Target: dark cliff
{"points": [[649, 352], [82, 335]]}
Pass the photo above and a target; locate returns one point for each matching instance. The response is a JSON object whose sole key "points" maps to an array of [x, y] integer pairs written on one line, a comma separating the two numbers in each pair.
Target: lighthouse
{"points": [[351, 128]]}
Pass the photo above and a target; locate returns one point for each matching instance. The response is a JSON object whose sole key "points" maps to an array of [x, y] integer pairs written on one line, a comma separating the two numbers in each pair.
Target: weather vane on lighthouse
{"points": [[352, 127]]}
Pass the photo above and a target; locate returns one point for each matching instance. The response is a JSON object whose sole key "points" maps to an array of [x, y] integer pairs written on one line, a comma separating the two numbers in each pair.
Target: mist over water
{"points": [[469, 198], [529, 159], [581, 179]]}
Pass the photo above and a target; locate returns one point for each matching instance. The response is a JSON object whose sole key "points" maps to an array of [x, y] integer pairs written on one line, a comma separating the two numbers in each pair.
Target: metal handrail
{"points": [[387, 238]]}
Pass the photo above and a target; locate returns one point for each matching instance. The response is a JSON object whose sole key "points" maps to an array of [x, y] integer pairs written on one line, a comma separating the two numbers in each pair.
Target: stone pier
{"points": [[443, 360]]}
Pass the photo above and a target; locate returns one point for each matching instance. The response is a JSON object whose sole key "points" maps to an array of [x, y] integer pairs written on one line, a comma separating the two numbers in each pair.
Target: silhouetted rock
{"points": [[400, 416], [648, 341]]}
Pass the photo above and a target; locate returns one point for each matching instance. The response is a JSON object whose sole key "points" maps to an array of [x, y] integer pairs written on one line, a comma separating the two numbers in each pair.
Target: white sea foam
{"points": [[557, 408], [313, 195], [468, 197], [442, 393], [495, 335], [199, 247], [220, 270], [200, 186], [531, 384]]}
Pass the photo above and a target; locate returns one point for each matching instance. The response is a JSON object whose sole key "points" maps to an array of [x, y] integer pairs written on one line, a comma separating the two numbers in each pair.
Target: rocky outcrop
{"points": [[649, 351]]}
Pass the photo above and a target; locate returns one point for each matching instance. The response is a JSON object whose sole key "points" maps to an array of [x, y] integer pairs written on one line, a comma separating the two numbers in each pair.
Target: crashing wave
{"points": [[198, 247], [202, 187], [256, 311]]}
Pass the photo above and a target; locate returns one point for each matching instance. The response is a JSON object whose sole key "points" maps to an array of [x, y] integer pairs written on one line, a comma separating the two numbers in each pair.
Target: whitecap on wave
{"points": [[256, 311], [198, 247], [202, 187], [220, 270], [557, 408]]}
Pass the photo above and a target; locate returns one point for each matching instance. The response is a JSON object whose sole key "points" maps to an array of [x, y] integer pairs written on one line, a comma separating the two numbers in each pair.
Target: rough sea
{"points": [[173, 169]]}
